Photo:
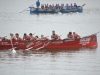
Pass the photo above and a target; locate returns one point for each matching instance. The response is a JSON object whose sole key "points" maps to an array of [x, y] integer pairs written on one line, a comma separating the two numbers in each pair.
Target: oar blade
{"points": [[13, 50]]}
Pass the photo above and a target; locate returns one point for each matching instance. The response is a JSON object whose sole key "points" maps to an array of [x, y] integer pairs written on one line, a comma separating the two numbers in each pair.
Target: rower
{"points": [[0, 38], [75, 35], [37, 3], [75, 5], [44, 38], [53, 6], [13, 38], [67, 7], [26, 37], [3, 38], [42, 6], [54, 36], [32, 38], [45, 6], [71, 6], [37, 38], [18, 38], [70, 36]]}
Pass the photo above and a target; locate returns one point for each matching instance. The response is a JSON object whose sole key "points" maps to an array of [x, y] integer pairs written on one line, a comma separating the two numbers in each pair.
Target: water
{"points": [[70, 62]]}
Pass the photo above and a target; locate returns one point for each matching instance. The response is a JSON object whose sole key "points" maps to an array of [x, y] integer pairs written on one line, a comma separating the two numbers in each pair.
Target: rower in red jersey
{"points": [[44, 38], [70, 36], [75, 35], [18, 38], [54, 36], [32, 38], [26, 37], [13, 38]]}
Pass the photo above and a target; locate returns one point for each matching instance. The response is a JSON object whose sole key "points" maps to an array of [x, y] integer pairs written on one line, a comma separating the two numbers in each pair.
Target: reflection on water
{"points": [[31, 53], [21, 53], [71, 62]]}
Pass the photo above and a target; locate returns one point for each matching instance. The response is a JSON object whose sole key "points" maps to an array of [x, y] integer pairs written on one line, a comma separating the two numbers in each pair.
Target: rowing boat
{"points": [[40, 10], [87, 42]]}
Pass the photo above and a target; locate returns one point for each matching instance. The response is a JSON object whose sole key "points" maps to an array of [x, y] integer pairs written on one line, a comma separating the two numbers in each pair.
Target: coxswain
{"points": [[75, 35], [18, 38], [13, 38], [70, 36], [44, 38], [54, 36], [32, 38], [37, 3], [26, 37]]}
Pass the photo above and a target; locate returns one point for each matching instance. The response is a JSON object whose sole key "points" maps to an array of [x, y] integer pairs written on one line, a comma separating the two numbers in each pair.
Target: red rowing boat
{"points": [[87, 42]]}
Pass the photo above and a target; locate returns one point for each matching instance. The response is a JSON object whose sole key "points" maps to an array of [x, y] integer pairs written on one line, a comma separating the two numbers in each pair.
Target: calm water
{"points": [[70, 62]]}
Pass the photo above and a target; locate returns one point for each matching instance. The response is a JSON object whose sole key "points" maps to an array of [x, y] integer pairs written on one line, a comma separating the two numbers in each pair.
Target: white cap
{"points": [[11, 33], [73, 31]]}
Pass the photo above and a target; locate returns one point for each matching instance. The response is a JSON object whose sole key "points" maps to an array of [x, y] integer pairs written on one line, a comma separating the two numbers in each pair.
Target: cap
{"points": [[11, 33], [73, 31]]}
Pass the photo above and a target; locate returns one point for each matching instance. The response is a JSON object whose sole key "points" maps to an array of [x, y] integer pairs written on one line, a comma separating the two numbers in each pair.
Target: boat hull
{"points": [[39, 10]]}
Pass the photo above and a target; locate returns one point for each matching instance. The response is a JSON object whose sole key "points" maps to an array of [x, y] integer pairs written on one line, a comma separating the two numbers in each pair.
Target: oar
{"points": [[92, 34], [83, 4], [29, 48], [25, 9], [30, 43], [44, 45], [40, 48], [13, 49]]}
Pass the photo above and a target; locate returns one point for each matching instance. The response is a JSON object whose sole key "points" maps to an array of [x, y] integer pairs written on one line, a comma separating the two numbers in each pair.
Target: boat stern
{"points": [[32, 9], [80, 9]]}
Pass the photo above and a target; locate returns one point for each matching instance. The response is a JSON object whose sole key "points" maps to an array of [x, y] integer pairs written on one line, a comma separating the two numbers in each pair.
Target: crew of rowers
{"points": [[31, 37], [57, 6]]}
